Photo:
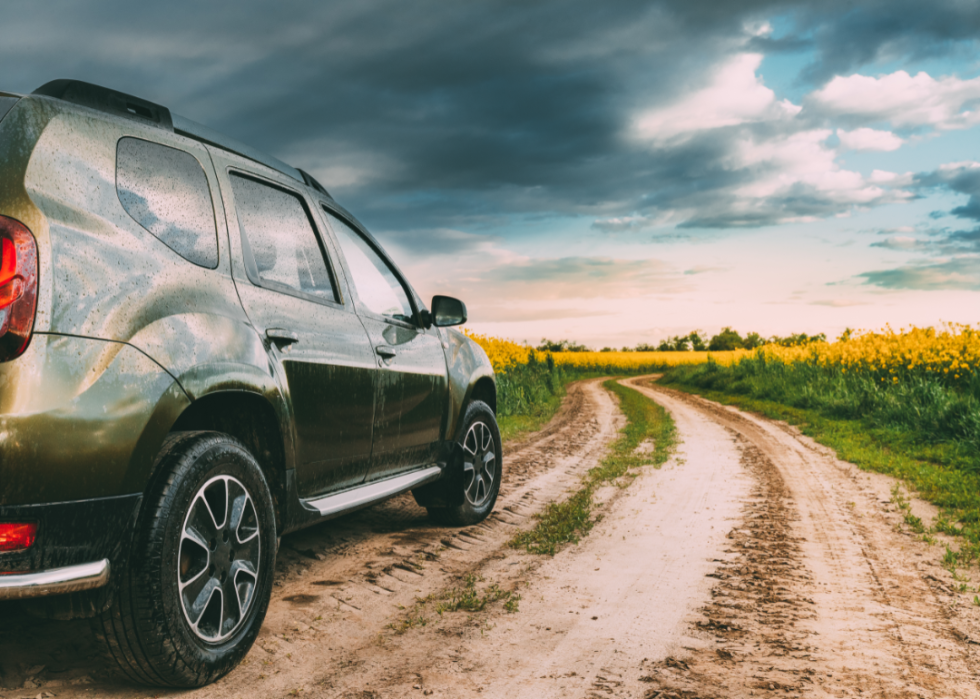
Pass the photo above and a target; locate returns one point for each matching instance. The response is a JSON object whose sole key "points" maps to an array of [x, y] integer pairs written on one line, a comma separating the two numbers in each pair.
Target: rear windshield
{"points": [[5, 104]]}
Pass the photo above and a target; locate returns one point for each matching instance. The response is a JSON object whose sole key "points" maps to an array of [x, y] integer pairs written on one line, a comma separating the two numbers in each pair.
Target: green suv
{"points": [[201, 351]]}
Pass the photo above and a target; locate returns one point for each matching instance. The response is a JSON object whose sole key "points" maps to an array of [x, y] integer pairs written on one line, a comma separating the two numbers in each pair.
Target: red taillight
{"points": [[17, 536], [18, 287]]}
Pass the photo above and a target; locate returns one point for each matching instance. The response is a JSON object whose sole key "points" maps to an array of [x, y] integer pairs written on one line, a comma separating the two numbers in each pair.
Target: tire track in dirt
{"points": [[591, 615], [340, 584], [812, 592], [823, 597]]}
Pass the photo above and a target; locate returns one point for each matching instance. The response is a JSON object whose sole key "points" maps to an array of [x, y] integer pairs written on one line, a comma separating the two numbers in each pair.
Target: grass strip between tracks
{"points": [[570, 520], [934, 474]]}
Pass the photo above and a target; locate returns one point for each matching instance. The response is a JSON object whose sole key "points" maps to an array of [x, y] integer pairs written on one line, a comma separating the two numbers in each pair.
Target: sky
{"points": [[609, 173]]}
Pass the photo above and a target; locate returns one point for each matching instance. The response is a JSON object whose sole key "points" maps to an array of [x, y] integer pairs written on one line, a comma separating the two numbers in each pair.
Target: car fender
{"points": [[468, 365]]}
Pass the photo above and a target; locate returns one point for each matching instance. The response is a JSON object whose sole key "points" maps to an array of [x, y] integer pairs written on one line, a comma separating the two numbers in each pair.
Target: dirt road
{"points": [[752, 563]]}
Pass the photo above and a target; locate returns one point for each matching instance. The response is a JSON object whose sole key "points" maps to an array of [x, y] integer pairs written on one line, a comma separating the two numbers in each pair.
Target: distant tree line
{"points": [[561, 346], [696, 341]]}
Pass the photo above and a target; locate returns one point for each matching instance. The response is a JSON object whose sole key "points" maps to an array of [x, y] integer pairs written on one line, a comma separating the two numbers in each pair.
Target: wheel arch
{"points": [[486, 390], [471, 377], [250, 418]]}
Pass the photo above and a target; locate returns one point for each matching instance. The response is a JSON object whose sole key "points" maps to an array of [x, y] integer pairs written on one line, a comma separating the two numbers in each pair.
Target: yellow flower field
{"points": [[952, 352], [638, 361], [504, 354]]}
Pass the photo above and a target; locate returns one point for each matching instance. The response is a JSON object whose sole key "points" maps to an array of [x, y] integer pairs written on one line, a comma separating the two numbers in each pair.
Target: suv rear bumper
{"points": [[86, 576], [78, 544]]}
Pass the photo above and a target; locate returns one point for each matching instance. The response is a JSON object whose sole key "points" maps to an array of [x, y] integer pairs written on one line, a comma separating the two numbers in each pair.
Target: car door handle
{"points": [[281, 336], [385, 351]]}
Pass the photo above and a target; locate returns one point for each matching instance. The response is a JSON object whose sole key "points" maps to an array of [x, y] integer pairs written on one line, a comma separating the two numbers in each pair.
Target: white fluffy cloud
{"points": [[803, 163], [892, 179], [902, 99], [865, 139], [787, 171], [734, 96]]}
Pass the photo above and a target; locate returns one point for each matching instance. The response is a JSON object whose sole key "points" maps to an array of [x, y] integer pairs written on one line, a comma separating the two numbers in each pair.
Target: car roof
{"points": [[131, 107]]}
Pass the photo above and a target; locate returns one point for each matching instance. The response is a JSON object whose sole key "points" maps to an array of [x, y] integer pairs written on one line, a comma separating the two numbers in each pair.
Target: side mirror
{"points": [[447, 311]]}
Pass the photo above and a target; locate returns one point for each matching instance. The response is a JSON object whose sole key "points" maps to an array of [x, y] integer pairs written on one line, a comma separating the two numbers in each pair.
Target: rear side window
{"points": [[166, 191], [279, 239]]}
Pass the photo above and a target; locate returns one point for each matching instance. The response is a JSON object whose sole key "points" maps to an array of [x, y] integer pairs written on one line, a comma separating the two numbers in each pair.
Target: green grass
{"points": [[465, 597], [568, 521], [943, 473], [517, 425], [528, 395], [928, 409], [529, 399], [468, 598]]}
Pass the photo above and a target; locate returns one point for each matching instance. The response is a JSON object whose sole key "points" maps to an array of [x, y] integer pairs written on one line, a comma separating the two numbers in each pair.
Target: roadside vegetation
{"points": [[523, 384], [531, 381]]}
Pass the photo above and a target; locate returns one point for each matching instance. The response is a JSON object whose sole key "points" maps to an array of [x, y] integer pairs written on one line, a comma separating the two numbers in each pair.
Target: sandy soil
{"points": [[753, 563]]}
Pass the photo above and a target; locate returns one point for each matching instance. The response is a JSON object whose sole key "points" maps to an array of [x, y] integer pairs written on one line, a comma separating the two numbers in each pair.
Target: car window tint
{"points": [[277, 232], [166, 191], [377, 286]]}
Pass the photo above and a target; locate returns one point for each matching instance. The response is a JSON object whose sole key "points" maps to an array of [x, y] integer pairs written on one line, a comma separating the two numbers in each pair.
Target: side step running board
{"points": [[365, 495]]}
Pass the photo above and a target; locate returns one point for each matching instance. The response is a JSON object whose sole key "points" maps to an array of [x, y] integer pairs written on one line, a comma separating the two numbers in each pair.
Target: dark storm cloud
{"points": [[435, 115], [848, 36]]}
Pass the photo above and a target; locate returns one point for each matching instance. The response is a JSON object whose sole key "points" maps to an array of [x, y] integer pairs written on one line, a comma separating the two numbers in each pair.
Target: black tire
{"points": [[477, 459], [148, 630]]}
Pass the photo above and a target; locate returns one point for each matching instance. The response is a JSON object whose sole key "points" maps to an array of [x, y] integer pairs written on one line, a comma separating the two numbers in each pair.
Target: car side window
{"points": [[166, 191], [376, 283], [278, 236]]}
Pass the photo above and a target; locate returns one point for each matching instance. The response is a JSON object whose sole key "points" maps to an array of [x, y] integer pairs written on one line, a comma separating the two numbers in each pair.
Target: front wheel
{"points": [[476, 468], [199, 579]]}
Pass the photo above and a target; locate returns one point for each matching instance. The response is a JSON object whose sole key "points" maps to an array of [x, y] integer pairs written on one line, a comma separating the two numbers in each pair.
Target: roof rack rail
{"points": [[311, 181], [120, 104], [204, 134], [105, 100]]}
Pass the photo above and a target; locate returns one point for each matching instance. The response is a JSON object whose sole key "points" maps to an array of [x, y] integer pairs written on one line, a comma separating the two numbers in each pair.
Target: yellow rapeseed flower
{"points": [[910, 352], [504, 354]]}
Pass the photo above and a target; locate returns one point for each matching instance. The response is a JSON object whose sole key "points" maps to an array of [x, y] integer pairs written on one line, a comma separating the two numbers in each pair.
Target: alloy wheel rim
{"points": [[218, 560], [479, 464]]}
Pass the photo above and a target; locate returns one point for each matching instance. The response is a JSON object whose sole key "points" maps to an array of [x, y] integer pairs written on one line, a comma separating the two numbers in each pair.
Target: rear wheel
{"points": [[476, 469], [195, 592]]}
